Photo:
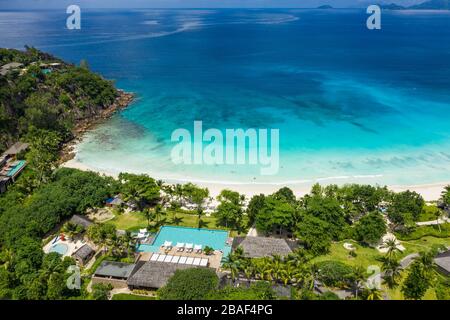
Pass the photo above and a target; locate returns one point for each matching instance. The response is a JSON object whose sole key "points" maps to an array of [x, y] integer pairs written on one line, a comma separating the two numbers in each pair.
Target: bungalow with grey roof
{"points": [[16, 148], [81, 221], [443, 262], [114, 273], [258, 247], [83, 255], [154, 274], [9, 67]]}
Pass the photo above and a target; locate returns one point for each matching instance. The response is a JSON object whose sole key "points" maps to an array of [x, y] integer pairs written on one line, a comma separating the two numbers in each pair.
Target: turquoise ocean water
{"points": [[351, 105]]}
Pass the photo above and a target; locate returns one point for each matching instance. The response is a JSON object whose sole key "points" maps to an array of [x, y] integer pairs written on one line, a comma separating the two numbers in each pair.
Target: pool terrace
{"points": [[215, 239]]}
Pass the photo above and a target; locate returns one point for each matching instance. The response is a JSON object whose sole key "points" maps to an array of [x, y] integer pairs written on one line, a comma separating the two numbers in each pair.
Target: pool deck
{"points": [[72, 246], [214, 259]]}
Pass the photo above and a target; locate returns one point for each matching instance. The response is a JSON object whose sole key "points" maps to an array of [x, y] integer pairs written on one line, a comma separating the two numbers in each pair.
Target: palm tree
{"points": [[392, 248], [158, 212], [148, 215], [178, 192], [71, 229], [160, 183], [267, 269], [287, 274], [129, 242], [277, 267], [426, 261], [232, 265], [199, 216], [358, 276], [391, 268], [373, 293], [249, 270]]}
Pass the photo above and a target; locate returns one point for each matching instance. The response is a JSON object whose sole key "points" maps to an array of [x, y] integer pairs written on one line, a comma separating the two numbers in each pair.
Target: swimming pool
{"points": [[60, 248], [20, 164], [216, 239]]}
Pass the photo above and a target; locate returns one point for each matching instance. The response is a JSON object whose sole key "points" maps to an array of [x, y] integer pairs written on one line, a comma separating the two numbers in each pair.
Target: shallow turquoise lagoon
{"points": [[351, 105]]}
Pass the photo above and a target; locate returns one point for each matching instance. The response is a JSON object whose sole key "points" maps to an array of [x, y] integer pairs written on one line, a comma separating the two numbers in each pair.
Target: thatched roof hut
{"points": [[81, 220], [84, 254], [154, 275], [16, 148], [258, 247]]}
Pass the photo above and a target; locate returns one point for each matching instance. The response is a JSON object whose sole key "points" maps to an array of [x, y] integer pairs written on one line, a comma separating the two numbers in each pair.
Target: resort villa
{"points": [[10, 167], [175, 248], [114, 273], [258, 247], [77, 248], [83, 254], [81, 221], [443, 262], [6, 68]]}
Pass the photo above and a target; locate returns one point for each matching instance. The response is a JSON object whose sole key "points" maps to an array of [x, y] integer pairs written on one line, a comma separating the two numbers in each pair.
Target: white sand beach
{"points": [[430, 192]]}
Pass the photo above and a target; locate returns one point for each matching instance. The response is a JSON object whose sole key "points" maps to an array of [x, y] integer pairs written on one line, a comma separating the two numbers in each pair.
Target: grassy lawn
{"points": [[423, 243], [430, 212], [441, 231], [134, 221], [127, 296], [365, 256]]}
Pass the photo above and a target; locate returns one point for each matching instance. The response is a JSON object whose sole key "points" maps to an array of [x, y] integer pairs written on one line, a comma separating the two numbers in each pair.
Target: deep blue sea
{"points": [[351, 104]]}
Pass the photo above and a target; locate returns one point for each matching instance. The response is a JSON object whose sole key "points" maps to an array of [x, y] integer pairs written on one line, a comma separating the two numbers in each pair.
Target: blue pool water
{"points": [[60, 248], [215, 239], [15, 169]]}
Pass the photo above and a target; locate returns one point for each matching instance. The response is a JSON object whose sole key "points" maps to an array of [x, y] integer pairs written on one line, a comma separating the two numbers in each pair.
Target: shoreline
{"points": [[67, 152], [430, 192]]}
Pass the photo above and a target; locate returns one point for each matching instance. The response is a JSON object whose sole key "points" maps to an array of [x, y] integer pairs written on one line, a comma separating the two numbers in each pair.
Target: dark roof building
{"points": [[81, 221], [3, 159], [154, 275], [114, 270], [443, 262], [114, 202], [84, 254], [8, 67], [258, 247], [4, 182], [16, 148]]}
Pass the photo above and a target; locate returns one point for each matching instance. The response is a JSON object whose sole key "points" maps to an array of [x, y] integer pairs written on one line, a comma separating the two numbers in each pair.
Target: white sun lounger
{"points": [[204, 262], [189, 246], [180, 246], [154, 257], [168, 258], [175, 259], [198, 247], [196, 262], [189, 260], [167, 244], [182, 260], [161, 258]]}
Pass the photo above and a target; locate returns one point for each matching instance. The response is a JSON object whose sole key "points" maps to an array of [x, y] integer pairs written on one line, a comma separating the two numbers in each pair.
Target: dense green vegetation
{"points": [[24, 220], [189, 284], [126, 296], [53, 101], [260, 290]]}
